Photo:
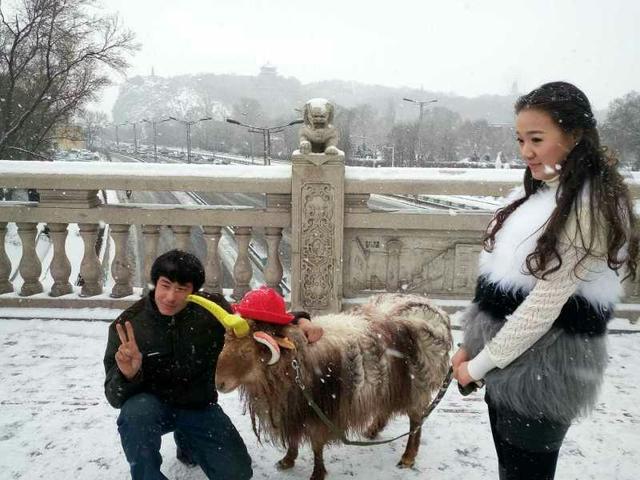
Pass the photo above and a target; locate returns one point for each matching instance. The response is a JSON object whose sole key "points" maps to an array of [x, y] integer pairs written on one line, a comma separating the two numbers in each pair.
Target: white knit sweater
{"points": [[536, 314]]}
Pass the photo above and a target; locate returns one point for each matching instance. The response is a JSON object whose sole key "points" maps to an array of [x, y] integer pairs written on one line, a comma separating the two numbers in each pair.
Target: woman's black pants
{"points": [[527, 447]]}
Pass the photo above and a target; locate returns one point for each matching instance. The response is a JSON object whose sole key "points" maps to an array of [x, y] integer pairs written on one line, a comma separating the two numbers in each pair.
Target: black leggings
{"points": [[527, 447]]}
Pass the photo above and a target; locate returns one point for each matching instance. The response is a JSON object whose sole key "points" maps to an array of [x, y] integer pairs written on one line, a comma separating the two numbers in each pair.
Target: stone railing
{"points": [[339, 248]]}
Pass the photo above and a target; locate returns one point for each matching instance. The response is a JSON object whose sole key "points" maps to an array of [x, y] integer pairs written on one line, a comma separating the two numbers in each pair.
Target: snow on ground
{"points": [[56, 424]]}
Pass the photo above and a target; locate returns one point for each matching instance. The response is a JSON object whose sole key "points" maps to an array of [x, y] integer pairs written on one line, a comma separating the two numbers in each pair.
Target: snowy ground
{"points": [[56, 424]]}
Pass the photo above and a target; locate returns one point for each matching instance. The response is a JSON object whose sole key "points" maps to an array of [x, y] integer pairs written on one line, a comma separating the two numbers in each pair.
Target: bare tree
{"points": [[55, 56]]}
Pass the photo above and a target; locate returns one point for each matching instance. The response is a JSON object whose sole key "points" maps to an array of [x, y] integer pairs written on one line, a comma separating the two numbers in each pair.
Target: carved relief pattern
{"points": [[318, 246]]}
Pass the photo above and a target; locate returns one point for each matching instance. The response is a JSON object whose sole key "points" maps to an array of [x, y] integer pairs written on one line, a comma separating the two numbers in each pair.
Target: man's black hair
{"points": [[178, 266]]}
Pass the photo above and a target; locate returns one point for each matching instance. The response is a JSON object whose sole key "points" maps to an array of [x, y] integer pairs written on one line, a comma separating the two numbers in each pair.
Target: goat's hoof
{"points": [[405, 463], [318, 475], [285, 464]]}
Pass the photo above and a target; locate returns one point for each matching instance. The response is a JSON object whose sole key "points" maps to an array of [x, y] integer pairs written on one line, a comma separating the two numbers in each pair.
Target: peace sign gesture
{"points": [[128, 356]]}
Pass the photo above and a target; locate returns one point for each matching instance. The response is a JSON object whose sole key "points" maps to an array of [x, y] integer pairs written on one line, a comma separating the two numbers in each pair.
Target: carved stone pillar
{"points": [[393, 264], [5, 264], [212, 268], [273, 268], [317, 229], [242, 270], [29, 268], [90, 266], [183, 236], [60, 264], [121, 267], [150, 237]]}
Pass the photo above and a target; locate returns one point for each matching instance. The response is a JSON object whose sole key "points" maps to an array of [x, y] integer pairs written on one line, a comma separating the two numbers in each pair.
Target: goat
{"points": [[384, 358]]}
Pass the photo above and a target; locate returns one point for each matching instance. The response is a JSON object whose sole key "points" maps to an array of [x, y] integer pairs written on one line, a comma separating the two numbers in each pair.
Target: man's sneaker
{"points": [[185, 458]]}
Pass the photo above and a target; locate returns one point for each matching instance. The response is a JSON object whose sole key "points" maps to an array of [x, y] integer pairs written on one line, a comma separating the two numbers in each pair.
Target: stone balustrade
{"points": [[339, 249]]}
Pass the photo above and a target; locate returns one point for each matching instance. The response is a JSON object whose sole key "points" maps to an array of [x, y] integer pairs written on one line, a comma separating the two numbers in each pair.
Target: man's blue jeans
{"points": [[207, 434]]}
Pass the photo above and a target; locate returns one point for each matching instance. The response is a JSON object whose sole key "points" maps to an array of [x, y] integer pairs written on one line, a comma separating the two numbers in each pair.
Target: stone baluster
{"points": [[212, 268], [151, 236], [273, 268], [29, 267], [90, 266], [242, 270], [60, 265], [121, 267], [183, 236], [5, 264]]}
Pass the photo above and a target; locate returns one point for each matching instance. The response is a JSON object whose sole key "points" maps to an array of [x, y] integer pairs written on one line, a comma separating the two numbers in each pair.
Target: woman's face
{"points": [[543, 145]]}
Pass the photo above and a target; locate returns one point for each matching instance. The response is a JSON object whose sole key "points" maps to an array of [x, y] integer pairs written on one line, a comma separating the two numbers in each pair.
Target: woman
{"points": [[550, 274]]}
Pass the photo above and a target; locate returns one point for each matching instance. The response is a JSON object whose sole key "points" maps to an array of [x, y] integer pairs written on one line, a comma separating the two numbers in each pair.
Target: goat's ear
{"points": [[284, 342]]}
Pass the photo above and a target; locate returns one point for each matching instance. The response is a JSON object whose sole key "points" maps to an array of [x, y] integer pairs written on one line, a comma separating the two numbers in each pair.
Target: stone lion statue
{"points": [[318, 134]]}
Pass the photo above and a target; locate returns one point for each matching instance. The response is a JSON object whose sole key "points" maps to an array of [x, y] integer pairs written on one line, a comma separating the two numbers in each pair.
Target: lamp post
{"points": [[188, 124], [266, 134], [135, 135], [117, 138], [420, 103], [154, 124]]}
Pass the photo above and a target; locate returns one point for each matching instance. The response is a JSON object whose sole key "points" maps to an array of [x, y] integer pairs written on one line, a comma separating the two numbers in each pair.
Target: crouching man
{"points": [[160, 365]]}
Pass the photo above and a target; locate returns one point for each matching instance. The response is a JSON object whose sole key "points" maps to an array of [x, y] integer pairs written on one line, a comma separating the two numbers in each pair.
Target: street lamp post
{"points": [[421, 103], [154, 124], [117, 140], [135, 135], [266, 134], [188, 124]]}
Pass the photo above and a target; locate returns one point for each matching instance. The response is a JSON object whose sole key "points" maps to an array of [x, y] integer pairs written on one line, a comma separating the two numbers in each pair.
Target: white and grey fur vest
{"points": [[560, 375]]}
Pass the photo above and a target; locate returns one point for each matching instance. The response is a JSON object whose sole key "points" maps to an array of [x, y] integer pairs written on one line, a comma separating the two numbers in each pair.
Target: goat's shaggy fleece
{"points": [[384, 358]]}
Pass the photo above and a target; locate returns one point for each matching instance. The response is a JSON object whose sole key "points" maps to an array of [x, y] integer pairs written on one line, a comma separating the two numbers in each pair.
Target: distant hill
{"points": [[216, 95]]}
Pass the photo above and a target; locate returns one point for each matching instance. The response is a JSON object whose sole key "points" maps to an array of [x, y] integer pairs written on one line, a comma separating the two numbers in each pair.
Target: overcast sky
{"points": [[467, 47]]}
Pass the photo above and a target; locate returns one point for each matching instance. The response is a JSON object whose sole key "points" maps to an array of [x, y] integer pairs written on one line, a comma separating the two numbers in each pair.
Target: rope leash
{"points": [[340, 433]]}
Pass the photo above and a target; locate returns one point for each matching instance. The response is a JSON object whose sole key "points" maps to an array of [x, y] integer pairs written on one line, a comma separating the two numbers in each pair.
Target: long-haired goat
{"points": [[384, 358]]}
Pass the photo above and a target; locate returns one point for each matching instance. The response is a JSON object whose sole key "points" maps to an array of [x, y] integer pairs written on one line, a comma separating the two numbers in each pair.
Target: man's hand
{"points": [[311, 331], [128, 356]]}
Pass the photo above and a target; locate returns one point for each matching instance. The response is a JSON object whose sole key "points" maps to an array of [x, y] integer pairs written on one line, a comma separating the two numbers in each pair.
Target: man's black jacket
{"points": [[179, 354]]}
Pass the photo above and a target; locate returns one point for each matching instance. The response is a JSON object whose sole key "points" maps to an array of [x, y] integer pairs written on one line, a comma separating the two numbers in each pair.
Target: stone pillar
{"points": [[317, 229], [60, 266], [121, 267], [273, 268], [183, 236], [5, 264], [212, 268], [29, 268], [90, 266], [150, 237], [242, 269]]}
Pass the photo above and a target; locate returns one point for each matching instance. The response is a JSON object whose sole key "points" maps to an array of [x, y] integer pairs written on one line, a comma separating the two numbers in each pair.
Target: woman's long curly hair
{"points": [[587, 165]]}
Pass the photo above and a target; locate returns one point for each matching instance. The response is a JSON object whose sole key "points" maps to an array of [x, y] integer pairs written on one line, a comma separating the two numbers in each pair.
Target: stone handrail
{"points": [[340, 249]]}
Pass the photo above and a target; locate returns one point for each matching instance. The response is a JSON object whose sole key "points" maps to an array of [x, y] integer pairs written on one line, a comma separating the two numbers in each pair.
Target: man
{"points": [[160, 365]]}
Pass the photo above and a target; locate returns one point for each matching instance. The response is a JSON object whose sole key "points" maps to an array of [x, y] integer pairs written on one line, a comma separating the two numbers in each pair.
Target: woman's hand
{"points": [[461, 374], [460, 356]]}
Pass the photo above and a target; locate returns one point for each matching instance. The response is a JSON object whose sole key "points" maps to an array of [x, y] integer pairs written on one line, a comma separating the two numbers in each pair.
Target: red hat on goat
{"points": [[264, 304]]}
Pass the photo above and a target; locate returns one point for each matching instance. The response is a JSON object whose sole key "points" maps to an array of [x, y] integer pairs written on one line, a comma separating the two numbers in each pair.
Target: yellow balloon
{"points": [[235, 322]]}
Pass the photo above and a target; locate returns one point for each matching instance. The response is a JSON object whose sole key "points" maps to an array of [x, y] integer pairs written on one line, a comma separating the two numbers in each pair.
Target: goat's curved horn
{"points": [[272, 345], [235, 322]]}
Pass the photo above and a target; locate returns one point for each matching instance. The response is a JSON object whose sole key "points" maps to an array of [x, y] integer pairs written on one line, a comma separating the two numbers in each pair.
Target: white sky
{"points": [[462, 46]]}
